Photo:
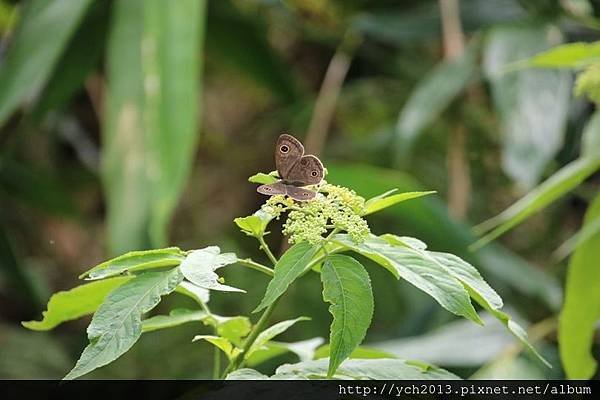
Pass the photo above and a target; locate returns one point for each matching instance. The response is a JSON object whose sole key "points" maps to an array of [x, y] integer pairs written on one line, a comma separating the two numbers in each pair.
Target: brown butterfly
{"points": [[295, 170]]}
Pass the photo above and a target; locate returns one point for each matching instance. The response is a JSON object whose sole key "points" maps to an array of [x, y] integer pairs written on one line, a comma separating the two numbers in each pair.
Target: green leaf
{"points": [[233, 328], [590, 139], [587, 231], [347, 286], [289, 267], [151, 119], [305, 350], [246, 374], [563, 181], [136, 261], [39, 40], [386, 369], [74, 303], [382, 201], [422, 272], [198, 294], [429, 219], [221, 343], [117, 324], [81, 56], [532, 104], [262, 178], [271, 332], [572, 55], [199, 266], [363, 352], [176, 317], [433, 95], [581, 310], [255, 224]]}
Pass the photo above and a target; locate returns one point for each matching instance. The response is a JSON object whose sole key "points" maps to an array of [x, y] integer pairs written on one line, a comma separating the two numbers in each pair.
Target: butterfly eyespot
{"points": [[314, 173], [284, 149], [268, 189], [305, 194]]}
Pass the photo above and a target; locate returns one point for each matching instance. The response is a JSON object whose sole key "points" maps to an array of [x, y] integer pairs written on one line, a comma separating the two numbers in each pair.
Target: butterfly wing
{"points": [[307, 171], [288, 152], [272, 189], [300, 194]]}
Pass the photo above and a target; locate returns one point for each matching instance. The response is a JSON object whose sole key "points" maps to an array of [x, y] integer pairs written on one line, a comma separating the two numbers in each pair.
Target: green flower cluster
{"points": [[334, 207]]}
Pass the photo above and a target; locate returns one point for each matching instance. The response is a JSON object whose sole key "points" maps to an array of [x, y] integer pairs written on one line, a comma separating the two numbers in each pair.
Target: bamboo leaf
{"points": [[39, 40], [151, 119], [387, 200], [347, 286], [581, 310], [117, 324]]}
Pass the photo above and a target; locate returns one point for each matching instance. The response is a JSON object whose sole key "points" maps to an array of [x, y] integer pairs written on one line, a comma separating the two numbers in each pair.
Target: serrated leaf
{"points": [[136, 261], [563, 181], [347, 286], [271, 332], [262, 178], [117, 324], [200, 295], [255, 224], [581, 309], [38, 42], [74, 303], [289, 267], [384, 201], [421, 272], [199, 266], [223, 344], [386, 369], [176, 317]]}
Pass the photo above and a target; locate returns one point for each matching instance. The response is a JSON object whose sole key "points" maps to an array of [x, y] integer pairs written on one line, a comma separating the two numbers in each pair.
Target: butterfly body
{"points": [[295, 170]]}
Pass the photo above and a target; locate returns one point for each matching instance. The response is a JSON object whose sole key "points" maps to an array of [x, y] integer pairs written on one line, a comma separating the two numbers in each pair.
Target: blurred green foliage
{"points": [[135, 124]]}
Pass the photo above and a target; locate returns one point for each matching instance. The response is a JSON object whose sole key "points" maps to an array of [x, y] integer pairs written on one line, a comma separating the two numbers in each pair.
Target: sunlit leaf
{"points": [[176, 317], [385, 369], [233, 328], [359, 352], [347, 286], [39, 40], [304, 349], [255, 224], [581, 311], [289, 267], [136, 261], [422, 272], [198, 294], [75, 303], [117, 324], [384, 201], [271, 332], [262, 178], [223, 344], [571, 55], [199, 266]]}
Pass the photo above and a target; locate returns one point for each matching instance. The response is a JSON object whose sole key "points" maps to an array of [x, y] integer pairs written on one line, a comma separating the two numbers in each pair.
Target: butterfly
{"points": [[295, 170]]}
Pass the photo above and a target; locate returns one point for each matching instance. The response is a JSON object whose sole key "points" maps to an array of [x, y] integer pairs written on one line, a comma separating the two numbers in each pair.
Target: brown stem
{"points": [[329, 93], [458, 165]]}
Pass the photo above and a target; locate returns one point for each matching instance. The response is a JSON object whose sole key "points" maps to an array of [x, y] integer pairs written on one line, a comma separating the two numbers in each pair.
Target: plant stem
{"points": [[217, 363], [258, 328], [256, 266], [265, 248]]}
